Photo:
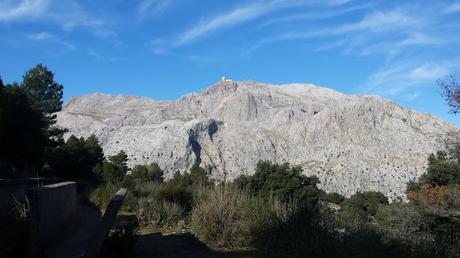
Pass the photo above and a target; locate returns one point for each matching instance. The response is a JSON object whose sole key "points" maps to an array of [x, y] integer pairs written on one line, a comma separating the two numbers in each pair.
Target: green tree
{"points": [[150, 173], [114, 169], [441, 170], [45, 93], [368, 202], [76, 158], [24, 133], [197, 176], [281, 181]]}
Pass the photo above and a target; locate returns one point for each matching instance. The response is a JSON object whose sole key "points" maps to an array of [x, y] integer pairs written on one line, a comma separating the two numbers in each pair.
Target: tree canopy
{"points": [[451, 92], [45, 93], [114, 169], [281, 181], [76, 158], [148, 173], [23, 133]]}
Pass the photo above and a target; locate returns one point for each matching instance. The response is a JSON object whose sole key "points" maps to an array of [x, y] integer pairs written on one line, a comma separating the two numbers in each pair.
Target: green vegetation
{"points": [[76, 158], [114, 168], [150, 173], [45, 93], [281, 181]]}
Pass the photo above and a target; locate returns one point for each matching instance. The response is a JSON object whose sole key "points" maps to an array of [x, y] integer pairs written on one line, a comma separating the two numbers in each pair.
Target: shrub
{"points": [[176, 194], [352, 219], [222, 220], [405, 224], [366, 201], [335, 198], [303, 233], [159, 213], [102, 195], [14, 233], [227, 217]]}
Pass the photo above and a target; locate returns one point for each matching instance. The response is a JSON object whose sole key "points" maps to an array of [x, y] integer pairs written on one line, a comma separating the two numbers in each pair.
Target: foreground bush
{"points": [[405, 224], [305, 232], [101, 196], [222, 220], [155, 213], [177, 195]]}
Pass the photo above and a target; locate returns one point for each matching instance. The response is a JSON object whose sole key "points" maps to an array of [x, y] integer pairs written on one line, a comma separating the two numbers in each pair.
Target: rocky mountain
{"points": [[351, 142]]}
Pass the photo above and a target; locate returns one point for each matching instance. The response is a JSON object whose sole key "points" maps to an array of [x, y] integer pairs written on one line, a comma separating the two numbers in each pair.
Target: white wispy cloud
{"points": [[379, 21], [317, 15], [453, 8], [405, 77], [428, 72], [67, 14], [418, 38], [360, 34], [153, 7], [48, 37], [97, 57], [338, 2], [234, 17], [41, 36], [25, 9]]}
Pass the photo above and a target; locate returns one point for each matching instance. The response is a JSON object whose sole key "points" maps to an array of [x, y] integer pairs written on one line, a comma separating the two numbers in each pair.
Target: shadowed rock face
{"points": [[351, 142]]}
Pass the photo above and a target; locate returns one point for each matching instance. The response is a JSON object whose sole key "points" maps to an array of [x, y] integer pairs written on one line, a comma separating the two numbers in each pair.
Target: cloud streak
{"points": [[66, 14], [153, 7], [406, 77], [48, 37], [232, 18], [25, 9]]}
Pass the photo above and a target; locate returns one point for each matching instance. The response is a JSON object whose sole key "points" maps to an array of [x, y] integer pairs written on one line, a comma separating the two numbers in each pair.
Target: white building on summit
{"points": [[224, 79]]}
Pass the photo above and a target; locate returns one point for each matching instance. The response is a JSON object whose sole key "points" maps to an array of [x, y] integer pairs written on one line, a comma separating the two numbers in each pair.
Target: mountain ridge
{"points": [[351, 142]]}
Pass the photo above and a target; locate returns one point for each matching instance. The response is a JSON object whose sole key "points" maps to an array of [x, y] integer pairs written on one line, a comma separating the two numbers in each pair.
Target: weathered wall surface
{"points": [[12, 190], [54, 212]]}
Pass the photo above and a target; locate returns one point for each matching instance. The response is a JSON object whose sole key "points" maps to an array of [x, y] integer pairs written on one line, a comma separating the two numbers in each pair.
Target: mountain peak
{"points": [[351, 142]]}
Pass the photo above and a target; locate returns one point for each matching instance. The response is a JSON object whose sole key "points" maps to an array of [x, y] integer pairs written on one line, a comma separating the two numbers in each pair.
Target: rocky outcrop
{"points": [[351, 142]]}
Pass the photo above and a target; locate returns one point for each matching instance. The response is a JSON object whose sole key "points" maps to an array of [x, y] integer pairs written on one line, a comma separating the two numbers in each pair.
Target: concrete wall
{"points": [[53, 213], [17, 188]]}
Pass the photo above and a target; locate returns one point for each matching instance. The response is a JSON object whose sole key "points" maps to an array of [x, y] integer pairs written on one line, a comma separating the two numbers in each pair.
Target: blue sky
{"points": [[166, 48]]}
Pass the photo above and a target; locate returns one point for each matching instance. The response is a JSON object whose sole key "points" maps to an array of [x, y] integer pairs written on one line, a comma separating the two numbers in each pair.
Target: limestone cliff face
{"points": [[351, 142]]}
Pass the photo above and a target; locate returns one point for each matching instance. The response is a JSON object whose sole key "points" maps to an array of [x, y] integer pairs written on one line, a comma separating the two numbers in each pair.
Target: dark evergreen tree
{"points": [[281, 181], [76, 158], [1, 84], [152, 173], [114, 169], [46, 94], [23, 133]]}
